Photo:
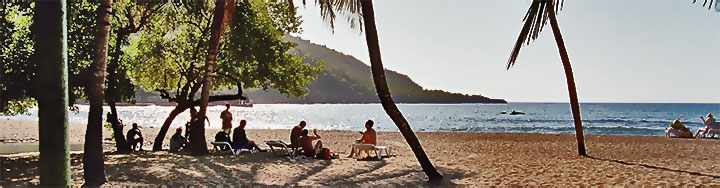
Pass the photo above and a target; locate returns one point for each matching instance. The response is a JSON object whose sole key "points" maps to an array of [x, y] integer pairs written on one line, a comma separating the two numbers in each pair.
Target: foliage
{"points": [[535, 19], [252, 52], [16, 69]]}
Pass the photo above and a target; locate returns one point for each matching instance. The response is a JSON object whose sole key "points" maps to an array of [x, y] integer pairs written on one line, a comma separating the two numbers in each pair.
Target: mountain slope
{"points": [[348, 80]]}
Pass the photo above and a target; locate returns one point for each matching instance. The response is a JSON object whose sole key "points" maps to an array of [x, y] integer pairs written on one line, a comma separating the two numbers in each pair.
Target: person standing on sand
{"points": [[226, 117], [706, 122], [368, 137], [135, 143], [295, 134], [240, 140]]}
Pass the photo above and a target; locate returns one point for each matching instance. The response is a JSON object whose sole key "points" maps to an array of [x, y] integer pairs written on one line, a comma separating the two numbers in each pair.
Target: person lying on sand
{"points": [[177, 141], [240, 139], [706, 122], [296, 133], [134, 138], [677, 129], [305, 143], [368, 137]]}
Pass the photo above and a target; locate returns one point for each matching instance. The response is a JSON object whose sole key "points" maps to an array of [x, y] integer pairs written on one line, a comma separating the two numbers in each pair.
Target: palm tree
{"points": [[538, 14], [93, 162], [50, 30], [383, 91], [220, 18]]}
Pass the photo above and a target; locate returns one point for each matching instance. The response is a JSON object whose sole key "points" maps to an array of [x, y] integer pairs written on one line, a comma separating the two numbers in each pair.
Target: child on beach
{"points": [[677, 129]]}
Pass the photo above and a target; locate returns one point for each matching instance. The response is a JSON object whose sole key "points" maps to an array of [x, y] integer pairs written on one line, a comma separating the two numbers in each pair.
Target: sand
{"points": [[463, 159]]}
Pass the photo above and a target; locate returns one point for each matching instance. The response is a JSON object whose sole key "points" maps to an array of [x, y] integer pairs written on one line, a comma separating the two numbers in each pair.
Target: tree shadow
{"points": [[654, 167], [24, 171]]}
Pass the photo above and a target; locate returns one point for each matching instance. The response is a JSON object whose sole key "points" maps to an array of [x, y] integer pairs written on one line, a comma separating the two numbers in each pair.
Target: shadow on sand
{"points": [[654, 167], [177, 169]]}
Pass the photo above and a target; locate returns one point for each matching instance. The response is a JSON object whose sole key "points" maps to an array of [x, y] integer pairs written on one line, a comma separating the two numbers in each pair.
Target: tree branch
{"points": [[222, 97]]}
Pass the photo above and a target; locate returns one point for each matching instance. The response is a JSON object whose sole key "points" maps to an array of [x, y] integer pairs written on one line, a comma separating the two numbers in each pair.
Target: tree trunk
{"points": [[199, 146], [157, 145], [93, 163], [381, 86], [50, 29], [120, 142], [574, 104]]}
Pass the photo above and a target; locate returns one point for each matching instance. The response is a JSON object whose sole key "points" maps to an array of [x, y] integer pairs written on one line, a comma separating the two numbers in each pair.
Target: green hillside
{"points": [[347, 80]]}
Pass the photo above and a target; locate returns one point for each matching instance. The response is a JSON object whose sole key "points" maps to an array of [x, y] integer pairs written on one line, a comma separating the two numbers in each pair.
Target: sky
{"points": [[640, 51]]}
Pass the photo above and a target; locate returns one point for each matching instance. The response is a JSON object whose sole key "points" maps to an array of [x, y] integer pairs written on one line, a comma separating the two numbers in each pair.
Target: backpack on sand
{"points": [[323, 153]]}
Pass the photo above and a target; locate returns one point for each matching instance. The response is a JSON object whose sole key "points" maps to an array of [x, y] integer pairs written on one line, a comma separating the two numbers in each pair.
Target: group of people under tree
{"points": [[677, 129], [300, 138]]}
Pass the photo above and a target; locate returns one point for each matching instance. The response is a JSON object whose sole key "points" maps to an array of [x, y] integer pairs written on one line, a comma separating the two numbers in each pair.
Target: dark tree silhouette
{"points": [[51, 51], [378, 73], [538, 14]]}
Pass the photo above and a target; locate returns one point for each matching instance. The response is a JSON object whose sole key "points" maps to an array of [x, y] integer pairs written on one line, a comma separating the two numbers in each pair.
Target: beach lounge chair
{"points": [[714, 130], [369, 147], [218, 146], [282, 146]]}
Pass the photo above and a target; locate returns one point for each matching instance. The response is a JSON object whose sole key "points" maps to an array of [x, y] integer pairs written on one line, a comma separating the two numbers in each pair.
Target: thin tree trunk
{"points": [[50, 29], [197, 134], [93, 163], [574, 104], [157, 145], [381, 86], [120, 142]]}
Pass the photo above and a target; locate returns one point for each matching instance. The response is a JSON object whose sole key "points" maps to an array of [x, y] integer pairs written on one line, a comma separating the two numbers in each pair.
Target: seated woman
{"points": [[305, 143], [677, 129], [706, 122]]}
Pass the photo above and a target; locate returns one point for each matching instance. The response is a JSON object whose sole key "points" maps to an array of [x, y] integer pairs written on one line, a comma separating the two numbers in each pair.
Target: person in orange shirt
{"points": [[226, 117], [368, 137]]}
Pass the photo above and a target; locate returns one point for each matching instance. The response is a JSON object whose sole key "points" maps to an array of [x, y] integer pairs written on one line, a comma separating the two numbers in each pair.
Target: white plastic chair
{"points": [[369, 147]]}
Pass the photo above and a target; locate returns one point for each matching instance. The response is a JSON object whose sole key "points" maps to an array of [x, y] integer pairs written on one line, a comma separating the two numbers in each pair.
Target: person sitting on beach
{"points": [[296, 133], [240, 140], [223, 136], [177, 141], [368, 137], [305, 143], [134, 138], [706, 122], [226, 117], [677, 129]]}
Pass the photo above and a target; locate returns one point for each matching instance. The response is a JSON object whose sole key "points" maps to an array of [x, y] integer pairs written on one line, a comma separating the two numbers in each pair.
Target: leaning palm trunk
{"points": [[50, 30], [93, 163], [572, 91], [383, 91], [197, 126]]}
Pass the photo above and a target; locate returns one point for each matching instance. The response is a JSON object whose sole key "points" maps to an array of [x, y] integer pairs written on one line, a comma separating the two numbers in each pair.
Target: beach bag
{"points": [[323, 153]]}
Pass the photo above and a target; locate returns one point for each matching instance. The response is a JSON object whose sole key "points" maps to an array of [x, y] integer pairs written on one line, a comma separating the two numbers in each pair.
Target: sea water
{"points": [[646, 119]]}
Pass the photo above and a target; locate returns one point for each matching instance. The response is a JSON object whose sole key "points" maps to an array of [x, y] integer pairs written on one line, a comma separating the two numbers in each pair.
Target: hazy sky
{"points": [[621, 51]]}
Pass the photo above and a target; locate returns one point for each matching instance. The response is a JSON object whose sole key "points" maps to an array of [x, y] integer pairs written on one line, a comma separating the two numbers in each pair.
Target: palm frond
{"points": [[535, 19], [350, 9]]}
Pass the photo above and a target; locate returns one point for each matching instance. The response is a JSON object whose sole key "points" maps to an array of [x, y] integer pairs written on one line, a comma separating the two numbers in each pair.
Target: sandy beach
{"points": [[463, 159]]}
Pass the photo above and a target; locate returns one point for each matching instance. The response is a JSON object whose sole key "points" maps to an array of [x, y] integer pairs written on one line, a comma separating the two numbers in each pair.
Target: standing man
{"points": [[296, 133], [226, 117]]}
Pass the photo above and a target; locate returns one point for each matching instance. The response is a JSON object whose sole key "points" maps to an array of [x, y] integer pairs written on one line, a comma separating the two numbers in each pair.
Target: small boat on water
{"points": [[513, 112]]}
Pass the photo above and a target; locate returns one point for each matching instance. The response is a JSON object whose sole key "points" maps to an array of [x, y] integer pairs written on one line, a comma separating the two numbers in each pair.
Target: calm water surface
{"points": [[598, 118]]}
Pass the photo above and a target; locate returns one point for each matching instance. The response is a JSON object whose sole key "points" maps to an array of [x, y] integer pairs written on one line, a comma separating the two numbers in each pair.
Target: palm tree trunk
{"points": [[381, 86], [574, 104], [197, 134], [157, 145], [50, 29], [93, 163], [120, 143]]}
